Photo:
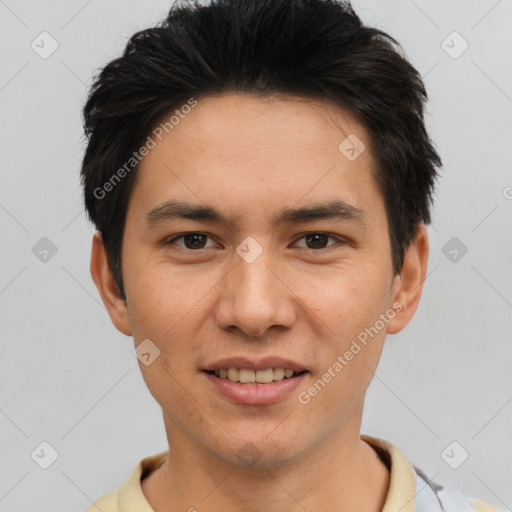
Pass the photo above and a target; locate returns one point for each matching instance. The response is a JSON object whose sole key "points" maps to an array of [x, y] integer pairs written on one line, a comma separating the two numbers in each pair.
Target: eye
{"points": [[318, 240], [196, 240], [191, 240]]}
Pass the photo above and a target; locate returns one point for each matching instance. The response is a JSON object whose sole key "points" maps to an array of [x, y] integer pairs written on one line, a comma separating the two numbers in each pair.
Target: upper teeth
{"points": [[247, 375]]}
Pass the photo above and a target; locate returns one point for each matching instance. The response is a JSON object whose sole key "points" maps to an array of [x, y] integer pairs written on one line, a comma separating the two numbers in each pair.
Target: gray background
{"points": [[69, 378]]}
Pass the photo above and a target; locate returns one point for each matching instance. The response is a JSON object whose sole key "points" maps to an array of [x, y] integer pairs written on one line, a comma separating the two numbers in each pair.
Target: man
{"points": [[260, 177]]}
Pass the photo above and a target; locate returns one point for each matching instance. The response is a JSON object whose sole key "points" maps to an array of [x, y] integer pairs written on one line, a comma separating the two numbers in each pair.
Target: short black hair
{"points": [[316, 49]]}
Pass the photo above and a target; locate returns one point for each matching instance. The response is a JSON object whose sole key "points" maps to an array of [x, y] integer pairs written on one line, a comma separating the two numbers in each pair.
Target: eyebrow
{"points": [[172, 209]]}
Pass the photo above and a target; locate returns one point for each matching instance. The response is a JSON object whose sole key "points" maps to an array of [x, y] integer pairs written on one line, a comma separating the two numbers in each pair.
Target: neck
{"points": [[345, 474]]}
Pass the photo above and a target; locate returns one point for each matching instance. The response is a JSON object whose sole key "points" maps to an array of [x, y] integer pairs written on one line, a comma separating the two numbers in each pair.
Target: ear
{"points": [[408, 285], [104, 280]]}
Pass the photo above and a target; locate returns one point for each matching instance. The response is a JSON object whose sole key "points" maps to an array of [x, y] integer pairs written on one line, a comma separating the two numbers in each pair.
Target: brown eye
{"points": [[317, 240], [194, 241], [191, 240]]}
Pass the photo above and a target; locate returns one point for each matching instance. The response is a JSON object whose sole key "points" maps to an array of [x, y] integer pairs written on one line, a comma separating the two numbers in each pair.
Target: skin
{"points": [[250, 157]]}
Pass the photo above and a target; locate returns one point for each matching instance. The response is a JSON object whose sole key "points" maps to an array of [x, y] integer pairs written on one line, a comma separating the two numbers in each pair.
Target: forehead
{"points": [[246, 152], [254, 120]]}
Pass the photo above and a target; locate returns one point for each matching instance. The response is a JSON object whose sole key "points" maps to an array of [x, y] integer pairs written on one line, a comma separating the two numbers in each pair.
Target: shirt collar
{"points": [[400, 497], [402, 480]]}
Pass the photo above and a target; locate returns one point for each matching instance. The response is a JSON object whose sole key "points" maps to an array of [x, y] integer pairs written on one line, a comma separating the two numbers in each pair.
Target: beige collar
{"points": [[401, 493]]}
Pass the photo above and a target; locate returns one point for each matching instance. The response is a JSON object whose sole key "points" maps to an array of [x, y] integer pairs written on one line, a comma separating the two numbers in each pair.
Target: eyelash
{"points": [[177, 237]]}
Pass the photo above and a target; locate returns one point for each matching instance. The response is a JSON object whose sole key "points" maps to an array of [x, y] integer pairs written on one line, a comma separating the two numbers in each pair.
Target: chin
{"points": [[259, 452]]}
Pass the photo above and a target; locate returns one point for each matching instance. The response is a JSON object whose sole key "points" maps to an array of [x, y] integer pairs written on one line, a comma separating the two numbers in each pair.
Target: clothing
{"points": [[409, 489]]}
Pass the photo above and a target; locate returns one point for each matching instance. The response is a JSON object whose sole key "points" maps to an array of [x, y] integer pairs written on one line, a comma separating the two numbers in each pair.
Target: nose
{"points": [[255, 297]]}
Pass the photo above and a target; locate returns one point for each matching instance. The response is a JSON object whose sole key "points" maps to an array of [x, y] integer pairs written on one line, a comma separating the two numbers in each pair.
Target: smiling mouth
{"points": [[250, 376]]}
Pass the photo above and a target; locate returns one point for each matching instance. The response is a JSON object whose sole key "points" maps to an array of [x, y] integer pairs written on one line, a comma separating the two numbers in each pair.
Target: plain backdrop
{"points": [[443, 389]]}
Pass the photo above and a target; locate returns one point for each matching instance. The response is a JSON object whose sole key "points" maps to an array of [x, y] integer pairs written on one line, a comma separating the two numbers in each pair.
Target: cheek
{"points": [[350, 334], [351, 328], [348, 301], [163, 300]]}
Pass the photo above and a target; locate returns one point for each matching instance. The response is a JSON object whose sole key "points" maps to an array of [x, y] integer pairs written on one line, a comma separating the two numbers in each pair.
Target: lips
{"points": [[255, 394], [255, 364], [246, 381]]}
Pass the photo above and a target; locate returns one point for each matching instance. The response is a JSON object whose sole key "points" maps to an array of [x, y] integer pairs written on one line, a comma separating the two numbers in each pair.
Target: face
{"points": [[286, 267]]}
